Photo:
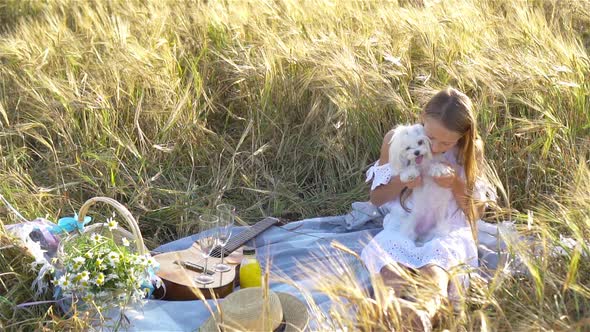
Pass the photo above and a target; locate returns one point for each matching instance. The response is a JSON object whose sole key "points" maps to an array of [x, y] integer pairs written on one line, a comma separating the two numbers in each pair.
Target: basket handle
{"points": [[123, 211]]}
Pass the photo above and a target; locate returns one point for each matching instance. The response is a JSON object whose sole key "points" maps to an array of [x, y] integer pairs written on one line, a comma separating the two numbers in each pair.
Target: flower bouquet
{"points": [[103, 266]]}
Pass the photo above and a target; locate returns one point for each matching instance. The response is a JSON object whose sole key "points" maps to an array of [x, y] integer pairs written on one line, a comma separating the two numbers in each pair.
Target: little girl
{"points": [[450, 125]]}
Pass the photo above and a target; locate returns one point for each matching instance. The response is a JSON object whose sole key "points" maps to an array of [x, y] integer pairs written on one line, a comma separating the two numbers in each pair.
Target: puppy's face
{"points": [[408, 145]]}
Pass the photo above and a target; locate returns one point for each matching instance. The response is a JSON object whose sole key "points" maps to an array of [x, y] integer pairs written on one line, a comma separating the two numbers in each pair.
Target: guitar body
{"points": [[179, 278], [178, 269]]}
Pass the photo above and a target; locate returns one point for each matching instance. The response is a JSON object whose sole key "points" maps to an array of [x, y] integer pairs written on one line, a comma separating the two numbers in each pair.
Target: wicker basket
{"points": [[119, 232], [66, 302]]}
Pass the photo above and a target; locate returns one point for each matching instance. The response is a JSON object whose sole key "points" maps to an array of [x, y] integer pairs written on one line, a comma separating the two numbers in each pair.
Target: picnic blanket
{"points": [[306, 242]]}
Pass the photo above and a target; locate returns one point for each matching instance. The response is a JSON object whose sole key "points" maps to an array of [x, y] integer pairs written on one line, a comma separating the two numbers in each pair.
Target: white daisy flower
{"points": [[125, 242], [100, 279], [83, 278], [113, 258], [63, 281], [153, 263], [99, 262], [112, 223], [95, 237], [83, 275], [78, 263], [142, 260]]}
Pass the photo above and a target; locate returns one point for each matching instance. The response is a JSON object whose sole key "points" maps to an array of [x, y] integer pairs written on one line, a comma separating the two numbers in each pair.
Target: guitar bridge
{"points": [[193, 267]]}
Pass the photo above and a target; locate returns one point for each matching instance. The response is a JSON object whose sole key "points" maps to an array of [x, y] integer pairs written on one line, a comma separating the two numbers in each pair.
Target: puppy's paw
{"points": [[409, 174], [438, 170]]}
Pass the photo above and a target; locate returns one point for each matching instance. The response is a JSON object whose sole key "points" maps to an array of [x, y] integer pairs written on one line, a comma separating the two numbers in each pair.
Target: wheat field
{"points": [[279, 107]]}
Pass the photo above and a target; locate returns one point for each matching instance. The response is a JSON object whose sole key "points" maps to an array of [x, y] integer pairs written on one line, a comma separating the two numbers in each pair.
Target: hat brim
{"points": [[295, 315]]}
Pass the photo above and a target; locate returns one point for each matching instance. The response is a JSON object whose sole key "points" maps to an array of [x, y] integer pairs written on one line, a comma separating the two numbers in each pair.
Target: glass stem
{"points": [[222, 254], [205, 269]]}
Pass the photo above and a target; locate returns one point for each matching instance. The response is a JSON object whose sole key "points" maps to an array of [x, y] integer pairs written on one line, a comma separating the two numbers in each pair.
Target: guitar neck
{"points": [[241, 239]]}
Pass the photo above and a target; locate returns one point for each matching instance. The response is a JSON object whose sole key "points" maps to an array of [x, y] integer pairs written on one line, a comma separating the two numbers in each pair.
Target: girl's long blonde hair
{"points": [[455, 111]]}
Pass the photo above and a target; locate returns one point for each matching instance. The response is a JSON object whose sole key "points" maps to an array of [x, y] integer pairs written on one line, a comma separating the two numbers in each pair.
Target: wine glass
{"points": [[207, 243], [226, 214]]}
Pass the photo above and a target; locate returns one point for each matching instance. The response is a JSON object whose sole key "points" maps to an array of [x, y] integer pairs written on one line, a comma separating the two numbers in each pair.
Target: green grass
{"points": [[280, 106]]}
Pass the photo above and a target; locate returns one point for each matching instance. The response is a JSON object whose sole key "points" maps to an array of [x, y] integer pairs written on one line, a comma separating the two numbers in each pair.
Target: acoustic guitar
{"points": [[178, 269]]}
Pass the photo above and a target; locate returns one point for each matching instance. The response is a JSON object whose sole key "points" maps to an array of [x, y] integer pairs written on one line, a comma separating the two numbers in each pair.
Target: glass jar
{"points": [[250, 271]]}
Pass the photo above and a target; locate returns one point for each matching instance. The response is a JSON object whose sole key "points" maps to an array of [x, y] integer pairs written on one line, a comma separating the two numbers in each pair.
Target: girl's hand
{"points": [[414, 183], [447, 180]]}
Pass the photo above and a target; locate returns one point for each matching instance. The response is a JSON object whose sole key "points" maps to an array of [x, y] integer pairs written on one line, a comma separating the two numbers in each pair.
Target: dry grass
{"points": [[279, 107]]}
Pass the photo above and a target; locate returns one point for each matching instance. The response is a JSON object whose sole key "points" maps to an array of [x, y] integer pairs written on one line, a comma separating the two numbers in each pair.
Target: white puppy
{"points": [[410, 156]]}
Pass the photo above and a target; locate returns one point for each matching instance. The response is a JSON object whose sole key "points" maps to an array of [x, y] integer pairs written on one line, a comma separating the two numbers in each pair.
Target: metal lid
{"points": [[249, 250]]}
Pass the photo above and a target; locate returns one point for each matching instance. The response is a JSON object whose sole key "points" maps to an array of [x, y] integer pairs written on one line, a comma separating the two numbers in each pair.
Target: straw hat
{"points": [[244, 309]]}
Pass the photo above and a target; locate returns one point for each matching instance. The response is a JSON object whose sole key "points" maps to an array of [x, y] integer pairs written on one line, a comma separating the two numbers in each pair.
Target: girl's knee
{"points": [[389, 274], [437, 275], [434, 271], [391, 279]]}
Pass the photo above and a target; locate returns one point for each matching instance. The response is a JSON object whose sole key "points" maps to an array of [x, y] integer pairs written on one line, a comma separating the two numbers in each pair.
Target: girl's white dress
{"points": [[456, 249]]}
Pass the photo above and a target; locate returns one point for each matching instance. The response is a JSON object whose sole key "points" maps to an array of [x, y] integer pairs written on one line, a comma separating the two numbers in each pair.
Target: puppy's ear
{"points": [[396, 157], [424, 137]]}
